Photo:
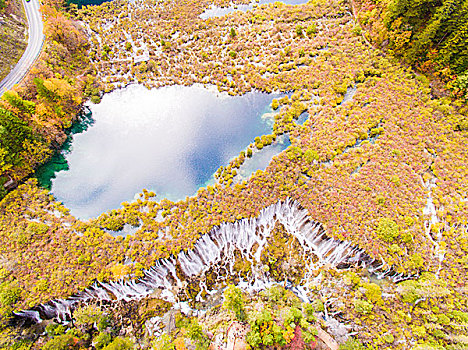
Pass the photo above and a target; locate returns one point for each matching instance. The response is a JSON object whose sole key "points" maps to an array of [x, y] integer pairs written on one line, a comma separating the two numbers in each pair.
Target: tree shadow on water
{"points": [[58, 162]]}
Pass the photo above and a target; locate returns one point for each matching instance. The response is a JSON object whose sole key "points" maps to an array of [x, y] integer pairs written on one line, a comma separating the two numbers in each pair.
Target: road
{"points": [[35, 41]]}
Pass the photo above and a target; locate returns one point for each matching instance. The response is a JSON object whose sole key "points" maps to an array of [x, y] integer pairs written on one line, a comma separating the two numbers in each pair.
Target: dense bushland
{"points": [[367, 169], [431, 35]]}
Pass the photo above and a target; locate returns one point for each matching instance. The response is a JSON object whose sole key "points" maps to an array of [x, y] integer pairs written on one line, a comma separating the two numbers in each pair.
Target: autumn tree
{"points": [[58, 28]]}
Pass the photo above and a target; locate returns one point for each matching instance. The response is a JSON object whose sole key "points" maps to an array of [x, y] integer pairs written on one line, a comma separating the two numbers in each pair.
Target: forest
{"points": [[429, 35]]}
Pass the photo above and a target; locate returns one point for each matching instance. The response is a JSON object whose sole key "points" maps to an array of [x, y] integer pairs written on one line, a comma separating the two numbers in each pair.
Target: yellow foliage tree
{"points": [[119, 271]]}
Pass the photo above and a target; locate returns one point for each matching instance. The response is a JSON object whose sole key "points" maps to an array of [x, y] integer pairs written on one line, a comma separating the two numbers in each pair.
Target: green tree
{"points": [[293, 317], [234, 300], [299, 30], [362, 306], [65, 341], [44, 92], [311, 155], [9, 295], [311, 30], [119, 343], [13, 132], [25, 107], [438, 32], [195, 332], [232, 33], [387, 230], [88, 317], [352, 344], [54, 329], [258, 322], [164, 342], [101, 340]]}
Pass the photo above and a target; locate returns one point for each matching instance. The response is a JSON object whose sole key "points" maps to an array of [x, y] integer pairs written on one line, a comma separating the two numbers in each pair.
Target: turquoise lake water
{"points": [[169, 140]]}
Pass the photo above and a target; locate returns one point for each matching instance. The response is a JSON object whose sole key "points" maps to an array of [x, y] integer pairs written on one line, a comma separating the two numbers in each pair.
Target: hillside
{"points": [[13, 34]]}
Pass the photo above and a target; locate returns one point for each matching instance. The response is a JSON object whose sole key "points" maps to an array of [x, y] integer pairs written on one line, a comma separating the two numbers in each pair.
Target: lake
{"points": [[169, 140]]}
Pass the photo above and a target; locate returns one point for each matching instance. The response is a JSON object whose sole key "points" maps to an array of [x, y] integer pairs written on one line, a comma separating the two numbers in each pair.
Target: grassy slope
{"points": [[13, 36]]}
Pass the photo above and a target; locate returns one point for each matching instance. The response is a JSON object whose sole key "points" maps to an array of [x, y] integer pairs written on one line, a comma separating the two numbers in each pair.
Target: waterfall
{"points": [[218, 248]]}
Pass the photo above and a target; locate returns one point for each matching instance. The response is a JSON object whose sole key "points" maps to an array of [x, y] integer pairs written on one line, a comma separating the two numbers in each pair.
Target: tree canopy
{"points": [[431, 34]]}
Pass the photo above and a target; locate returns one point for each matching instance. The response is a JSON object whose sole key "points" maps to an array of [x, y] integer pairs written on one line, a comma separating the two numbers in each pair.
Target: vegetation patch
{"points": [[13, 36]]}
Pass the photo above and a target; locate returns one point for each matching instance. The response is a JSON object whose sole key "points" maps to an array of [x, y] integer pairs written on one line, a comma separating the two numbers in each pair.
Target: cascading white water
{"points": [[431, 212], [218, 247]]}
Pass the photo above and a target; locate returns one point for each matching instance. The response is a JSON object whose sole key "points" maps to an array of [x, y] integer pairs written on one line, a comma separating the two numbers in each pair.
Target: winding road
{"points": [[35, 42]]}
